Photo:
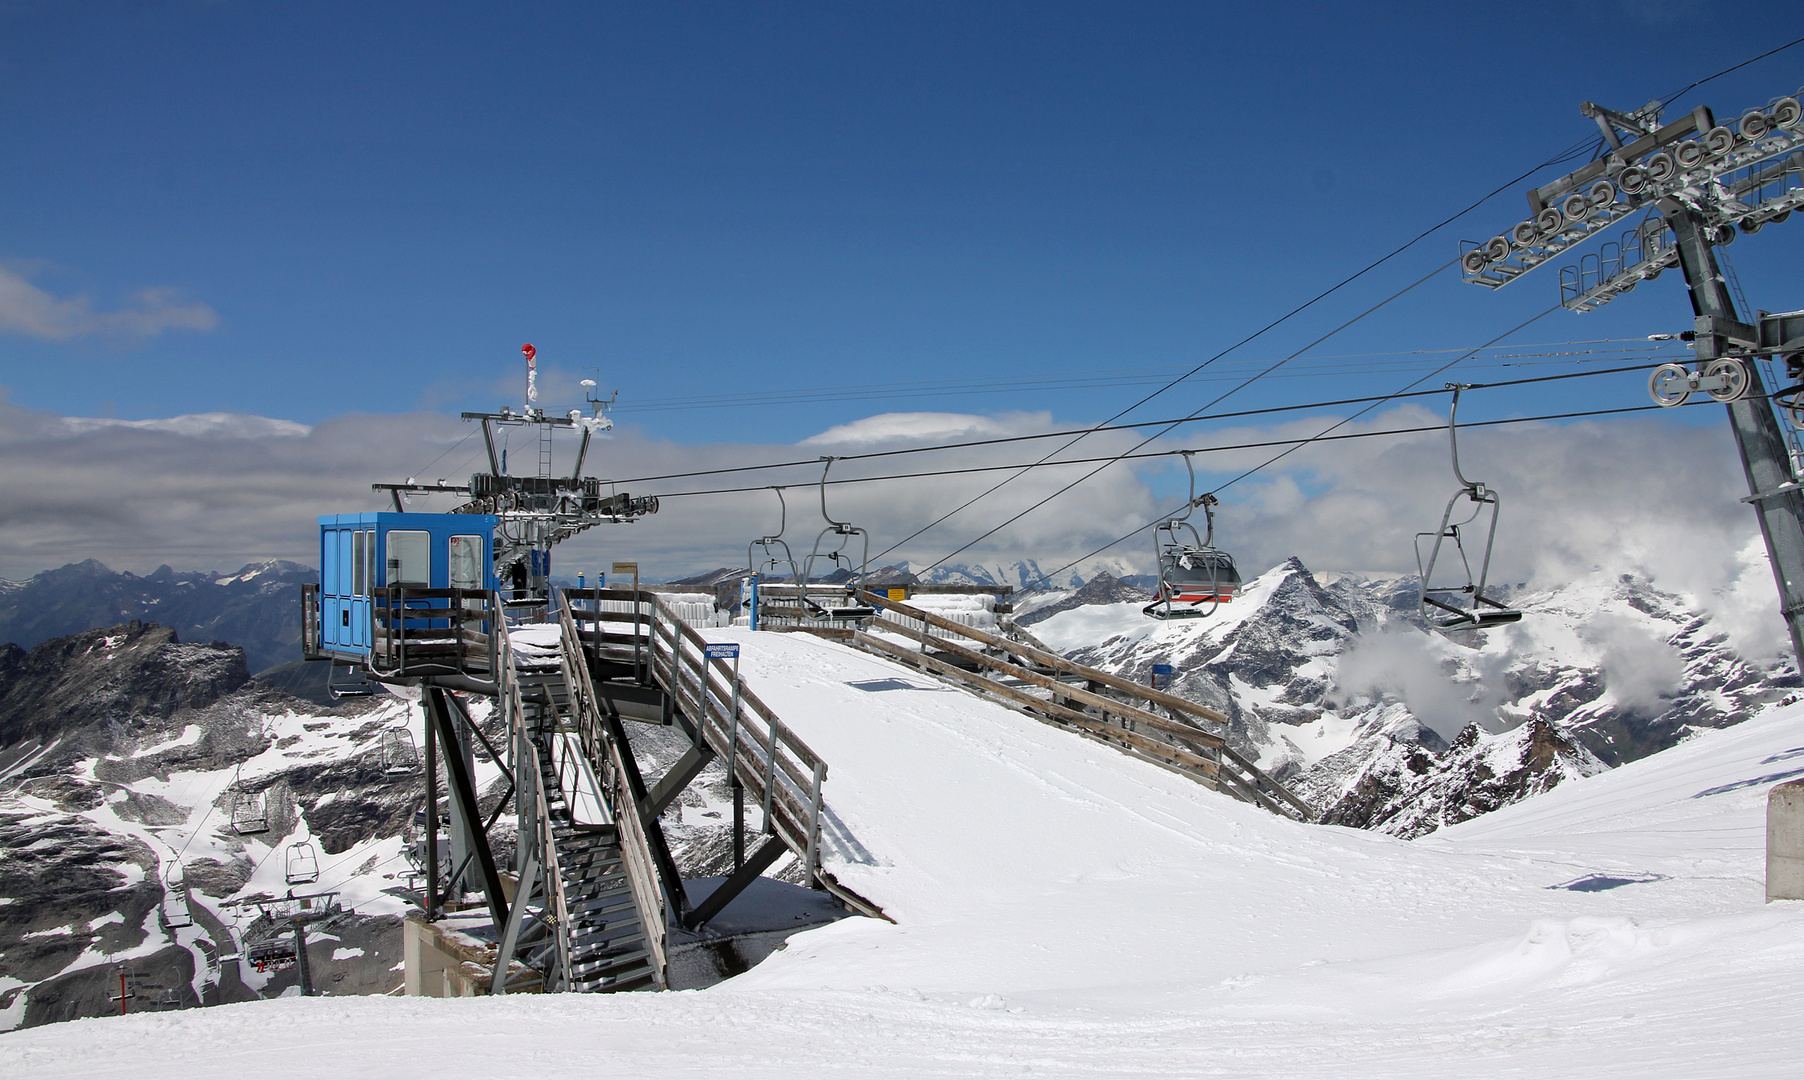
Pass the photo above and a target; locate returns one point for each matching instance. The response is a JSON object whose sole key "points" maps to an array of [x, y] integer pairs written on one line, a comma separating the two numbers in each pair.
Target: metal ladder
{"points": [[607, 941]]}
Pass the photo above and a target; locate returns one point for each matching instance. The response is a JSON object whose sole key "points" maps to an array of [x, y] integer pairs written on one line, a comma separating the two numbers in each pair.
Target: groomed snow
{"points": [[1064, 910]]}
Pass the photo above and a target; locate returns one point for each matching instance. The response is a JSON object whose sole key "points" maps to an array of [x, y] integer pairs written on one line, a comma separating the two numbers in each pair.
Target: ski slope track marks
{"points": [[1064, 910]]}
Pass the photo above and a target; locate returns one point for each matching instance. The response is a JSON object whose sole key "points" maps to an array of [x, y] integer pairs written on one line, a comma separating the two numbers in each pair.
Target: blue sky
{"points": [[308, 211]]}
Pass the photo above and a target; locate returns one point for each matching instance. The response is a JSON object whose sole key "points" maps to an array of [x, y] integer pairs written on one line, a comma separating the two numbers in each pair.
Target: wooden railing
{"points": [[605, 746], [417, 631], [1106, 706], [773, 764]]}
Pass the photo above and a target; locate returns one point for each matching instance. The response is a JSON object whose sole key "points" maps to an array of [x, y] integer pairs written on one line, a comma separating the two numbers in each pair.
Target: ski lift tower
{"points": [[539, 510], [1696, 183]]}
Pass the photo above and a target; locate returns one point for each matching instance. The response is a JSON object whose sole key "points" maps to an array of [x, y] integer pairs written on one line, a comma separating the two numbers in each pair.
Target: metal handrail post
{"points": [[770, 776], [814, 821], [733, 720]]}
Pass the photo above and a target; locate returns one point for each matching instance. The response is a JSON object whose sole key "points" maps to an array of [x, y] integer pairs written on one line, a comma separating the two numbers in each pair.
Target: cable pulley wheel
{"points": [[1659, 167], [1755, 125], [1498, 249], [1689, 154], [1632, 180], [1602, 193], [1550, 222], [1669, 385], [1577, 207], [1475, 261], [1734, 373], [1719, 140], [1525, 234], [1787, 113]]}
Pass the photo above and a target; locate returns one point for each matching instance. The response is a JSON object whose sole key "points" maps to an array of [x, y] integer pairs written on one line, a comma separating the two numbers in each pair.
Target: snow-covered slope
{"points": [[1065, 910]]}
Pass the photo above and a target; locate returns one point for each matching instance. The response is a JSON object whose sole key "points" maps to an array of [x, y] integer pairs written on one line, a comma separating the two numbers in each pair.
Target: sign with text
{"points": [[724, 651], [898, 594], [626, 569]]}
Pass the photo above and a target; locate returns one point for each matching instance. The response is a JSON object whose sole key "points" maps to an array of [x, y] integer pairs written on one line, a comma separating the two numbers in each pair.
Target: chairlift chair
{"points": [[850, 608], [771, 545], [250, 810], [302, 864], [398, 754], [175, 896], [1457, 601], [1194, 573], [354, 684]]}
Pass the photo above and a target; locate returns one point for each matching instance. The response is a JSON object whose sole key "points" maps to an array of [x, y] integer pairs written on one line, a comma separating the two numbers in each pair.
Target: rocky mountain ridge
{"points": [[1342, 691], [257, 608]]}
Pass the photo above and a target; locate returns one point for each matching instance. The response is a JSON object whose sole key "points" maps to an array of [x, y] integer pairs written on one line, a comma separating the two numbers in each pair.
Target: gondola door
{"points": [[362, 552], [331, 612]]}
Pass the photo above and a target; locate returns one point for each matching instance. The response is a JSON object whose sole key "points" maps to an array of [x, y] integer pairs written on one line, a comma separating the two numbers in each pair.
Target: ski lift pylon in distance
{"points": [[1452, 598], [1192, 570]]}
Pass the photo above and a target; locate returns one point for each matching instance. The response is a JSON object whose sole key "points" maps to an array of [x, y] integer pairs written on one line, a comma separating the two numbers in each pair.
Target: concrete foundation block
{"points": [[1785, 841]]}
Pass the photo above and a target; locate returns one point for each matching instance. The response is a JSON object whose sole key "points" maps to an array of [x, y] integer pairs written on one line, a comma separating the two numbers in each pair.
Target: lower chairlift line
{"points": [[1458, 602]]}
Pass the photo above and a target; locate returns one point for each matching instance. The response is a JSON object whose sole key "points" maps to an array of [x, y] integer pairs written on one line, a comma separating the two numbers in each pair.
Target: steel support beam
{"points": [[1764, 458], [431, 867], [685, 769], [735, 884], [439, 712]]}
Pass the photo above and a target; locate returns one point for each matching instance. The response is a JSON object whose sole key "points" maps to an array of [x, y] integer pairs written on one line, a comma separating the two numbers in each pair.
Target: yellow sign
{"points": [[898, 594]]}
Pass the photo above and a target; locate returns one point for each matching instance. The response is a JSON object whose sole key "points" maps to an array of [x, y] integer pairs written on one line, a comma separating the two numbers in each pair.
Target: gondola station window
{"points": [[359, 553]]}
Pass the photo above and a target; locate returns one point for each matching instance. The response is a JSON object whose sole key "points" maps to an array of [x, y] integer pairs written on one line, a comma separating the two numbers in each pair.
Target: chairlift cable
{"points": [[1079, 379], [1273, 324], [1152, 454], [1218, 400], [1001, 440], [1668, 99], [1324, 435]]}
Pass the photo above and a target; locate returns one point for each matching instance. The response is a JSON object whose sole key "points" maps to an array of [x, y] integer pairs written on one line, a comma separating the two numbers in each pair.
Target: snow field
{"points": [[1064, 910]]}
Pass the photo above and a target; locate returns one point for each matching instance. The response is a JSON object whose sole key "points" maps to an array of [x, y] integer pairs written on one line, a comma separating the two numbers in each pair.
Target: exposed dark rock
{"points": [[112, 684], [1405, 791]]}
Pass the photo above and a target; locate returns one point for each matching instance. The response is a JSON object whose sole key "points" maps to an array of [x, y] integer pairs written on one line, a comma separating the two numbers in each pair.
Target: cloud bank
{"points": [[31, 311], [1648, 496]]}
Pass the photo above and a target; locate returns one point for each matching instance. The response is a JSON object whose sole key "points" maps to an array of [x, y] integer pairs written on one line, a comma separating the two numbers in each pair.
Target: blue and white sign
{"points": [[1161, 669], [723, 651]]}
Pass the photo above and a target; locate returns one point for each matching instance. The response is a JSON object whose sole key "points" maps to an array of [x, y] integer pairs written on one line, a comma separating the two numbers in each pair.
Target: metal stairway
{"points": [[583, 917], [607, 940]]}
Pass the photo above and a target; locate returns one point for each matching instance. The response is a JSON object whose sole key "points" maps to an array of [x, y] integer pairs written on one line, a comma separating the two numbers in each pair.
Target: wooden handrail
{"points": [[1052, 660], [1253, 783]]}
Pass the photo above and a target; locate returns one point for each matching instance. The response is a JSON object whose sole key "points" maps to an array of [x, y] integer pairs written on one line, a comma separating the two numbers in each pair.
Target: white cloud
{"points": [[213, 425], [34, 312], [1639, 667], [927, 427], [1647, 496], [1415, 667]]}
